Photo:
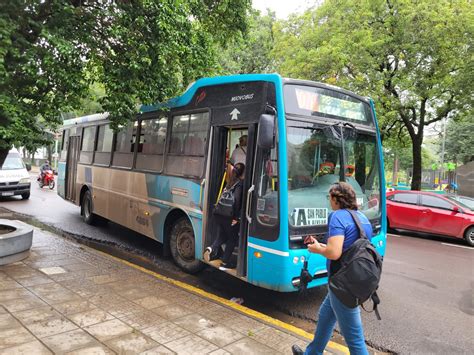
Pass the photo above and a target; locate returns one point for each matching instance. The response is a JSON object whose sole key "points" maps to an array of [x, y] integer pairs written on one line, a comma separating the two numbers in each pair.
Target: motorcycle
{"points": [[48, 179]]}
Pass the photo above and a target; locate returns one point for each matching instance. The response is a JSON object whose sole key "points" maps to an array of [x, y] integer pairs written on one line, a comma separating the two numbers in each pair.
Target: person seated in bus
{"points": [[240, 152], [228, 226]]}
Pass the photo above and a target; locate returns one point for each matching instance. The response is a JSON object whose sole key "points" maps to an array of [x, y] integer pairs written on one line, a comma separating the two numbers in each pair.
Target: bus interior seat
{"points": [[175, 145], [193, 145]]}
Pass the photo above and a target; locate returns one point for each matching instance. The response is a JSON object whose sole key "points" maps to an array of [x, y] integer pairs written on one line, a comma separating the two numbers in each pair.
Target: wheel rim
{"points": [[470, 236], [185, 245]]}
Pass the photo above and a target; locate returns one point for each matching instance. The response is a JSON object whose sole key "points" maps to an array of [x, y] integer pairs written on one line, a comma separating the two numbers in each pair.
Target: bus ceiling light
{"points": [[257, 254], [147, 213]]}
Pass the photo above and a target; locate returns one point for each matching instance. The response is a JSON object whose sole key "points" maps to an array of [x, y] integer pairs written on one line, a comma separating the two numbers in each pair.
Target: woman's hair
{"points": [[238, 171], [344, 195]]}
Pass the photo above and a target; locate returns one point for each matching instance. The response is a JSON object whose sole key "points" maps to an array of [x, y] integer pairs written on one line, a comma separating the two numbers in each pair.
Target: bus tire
{"points": [[182, 246], [469, 236], [86, 208]]}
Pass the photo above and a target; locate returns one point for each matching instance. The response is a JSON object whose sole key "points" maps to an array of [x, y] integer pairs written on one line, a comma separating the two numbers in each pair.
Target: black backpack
{"points": [[355, 276], [225, 205]]}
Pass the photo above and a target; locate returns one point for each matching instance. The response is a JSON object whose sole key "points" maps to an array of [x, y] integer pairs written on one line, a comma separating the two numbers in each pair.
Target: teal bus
{"points": [[161, 174]]}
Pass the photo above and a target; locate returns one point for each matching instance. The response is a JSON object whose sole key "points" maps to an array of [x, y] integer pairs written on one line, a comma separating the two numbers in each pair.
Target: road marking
{"points": [[457, 246], [250, 312]]}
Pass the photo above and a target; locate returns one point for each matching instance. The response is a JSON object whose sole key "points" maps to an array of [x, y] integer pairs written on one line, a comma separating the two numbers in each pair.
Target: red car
{"points": [[427, 212]]}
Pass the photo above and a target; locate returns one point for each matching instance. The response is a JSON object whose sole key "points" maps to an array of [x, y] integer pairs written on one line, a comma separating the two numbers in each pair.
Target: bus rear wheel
{"points": [[86, 208], [182, 246]]}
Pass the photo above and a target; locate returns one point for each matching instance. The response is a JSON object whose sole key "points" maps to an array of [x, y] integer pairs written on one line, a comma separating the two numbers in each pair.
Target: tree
{"points": [[459, 144], [52, 51], [413, 58], [250, 52]]}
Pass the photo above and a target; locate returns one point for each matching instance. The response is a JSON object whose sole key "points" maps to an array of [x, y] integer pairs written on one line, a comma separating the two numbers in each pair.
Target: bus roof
{"points": [[86, 119], [186, 97]]}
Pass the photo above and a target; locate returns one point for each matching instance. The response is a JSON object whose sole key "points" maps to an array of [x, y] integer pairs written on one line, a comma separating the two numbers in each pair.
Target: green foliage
{"points": [[413, 58], [52, 51], [459, 144], [251, 52]]}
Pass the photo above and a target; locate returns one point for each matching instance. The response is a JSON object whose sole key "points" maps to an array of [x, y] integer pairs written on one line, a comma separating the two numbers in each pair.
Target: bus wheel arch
{"points": [[179, 241]]}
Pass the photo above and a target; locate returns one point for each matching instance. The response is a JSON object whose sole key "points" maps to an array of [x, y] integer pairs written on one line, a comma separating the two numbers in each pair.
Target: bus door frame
{"points": [[73, 151], [215, 168]]}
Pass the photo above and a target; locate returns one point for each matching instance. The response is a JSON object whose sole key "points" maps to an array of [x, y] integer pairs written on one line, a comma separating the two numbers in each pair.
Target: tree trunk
{"points": [[395, 171], [416, 178]]}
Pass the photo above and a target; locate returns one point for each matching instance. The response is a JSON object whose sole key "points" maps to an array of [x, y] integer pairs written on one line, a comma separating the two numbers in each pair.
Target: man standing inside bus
{"points": [[240, 152]]}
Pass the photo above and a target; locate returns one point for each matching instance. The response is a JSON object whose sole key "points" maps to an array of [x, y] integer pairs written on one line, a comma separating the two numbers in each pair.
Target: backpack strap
{"points": [[376, 300], [362, 233]]}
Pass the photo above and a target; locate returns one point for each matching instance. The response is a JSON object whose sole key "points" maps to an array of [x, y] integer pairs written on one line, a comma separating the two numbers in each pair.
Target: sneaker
{"points": [[297, 350], [226, 266]]}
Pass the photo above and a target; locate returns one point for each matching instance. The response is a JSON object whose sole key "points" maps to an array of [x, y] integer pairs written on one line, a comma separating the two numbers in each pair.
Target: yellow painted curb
{"points": [[250, 312]]}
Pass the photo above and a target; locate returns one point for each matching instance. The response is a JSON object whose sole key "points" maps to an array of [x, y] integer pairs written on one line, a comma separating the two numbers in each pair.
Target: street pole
{"points": [[442, 152]]}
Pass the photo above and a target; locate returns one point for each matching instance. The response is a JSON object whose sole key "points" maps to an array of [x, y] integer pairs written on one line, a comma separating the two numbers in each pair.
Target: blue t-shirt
{"points": [[342, 223]]}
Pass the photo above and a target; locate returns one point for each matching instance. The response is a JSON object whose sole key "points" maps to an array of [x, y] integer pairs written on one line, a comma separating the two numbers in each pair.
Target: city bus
{"points": [[161, 174]]}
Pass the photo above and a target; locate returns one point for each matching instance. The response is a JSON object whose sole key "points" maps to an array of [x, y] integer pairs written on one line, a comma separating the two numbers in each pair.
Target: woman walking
{"points": [[343, 232]]}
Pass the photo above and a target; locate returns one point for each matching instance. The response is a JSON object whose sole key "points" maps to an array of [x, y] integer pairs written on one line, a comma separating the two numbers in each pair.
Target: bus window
{"points": [[104, 145], [187, 144], [267, 188], [123, 152], [64, 145], [87, 147], [153, 134]]}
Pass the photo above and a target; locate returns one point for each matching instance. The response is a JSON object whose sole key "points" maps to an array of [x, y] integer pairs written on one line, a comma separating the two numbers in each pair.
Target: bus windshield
{"points": [[315, 101], [13, 162], [318, 158]]}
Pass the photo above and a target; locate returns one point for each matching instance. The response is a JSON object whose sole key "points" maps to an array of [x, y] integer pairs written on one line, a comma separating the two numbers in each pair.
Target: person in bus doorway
{"points": [[343, 232], [228, 226], [240, 152]]}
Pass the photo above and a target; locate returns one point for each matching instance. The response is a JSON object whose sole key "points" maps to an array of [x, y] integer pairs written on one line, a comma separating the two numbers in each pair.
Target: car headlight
{"points": [[25, 180]]}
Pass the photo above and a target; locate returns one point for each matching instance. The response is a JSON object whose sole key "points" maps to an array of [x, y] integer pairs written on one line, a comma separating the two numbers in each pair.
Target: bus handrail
{"points": [[203, 183], [247, 208]]}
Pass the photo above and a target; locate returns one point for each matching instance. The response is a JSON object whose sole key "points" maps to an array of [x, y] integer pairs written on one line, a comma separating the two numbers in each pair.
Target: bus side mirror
{"points": [[266, 132]]}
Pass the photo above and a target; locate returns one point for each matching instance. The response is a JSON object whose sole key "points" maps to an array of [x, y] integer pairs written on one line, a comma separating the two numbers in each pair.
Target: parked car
{"points": [[14, 177], [427, 212]]}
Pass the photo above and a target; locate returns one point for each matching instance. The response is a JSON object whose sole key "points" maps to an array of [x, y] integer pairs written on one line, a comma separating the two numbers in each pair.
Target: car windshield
{"points": [[13, 162], [462, 201], [317, 158]]}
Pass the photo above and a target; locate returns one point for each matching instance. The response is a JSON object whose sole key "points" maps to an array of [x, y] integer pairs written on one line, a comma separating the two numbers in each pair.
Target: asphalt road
{"points": [[427, 288]]}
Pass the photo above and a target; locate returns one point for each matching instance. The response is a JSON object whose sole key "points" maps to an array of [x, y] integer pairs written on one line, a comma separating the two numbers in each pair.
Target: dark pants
{"points": [[228, 234]]}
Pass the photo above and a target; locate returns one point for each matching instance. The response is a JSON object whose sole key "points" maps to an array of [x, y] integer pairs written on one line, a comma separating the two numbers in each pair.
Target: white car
{"points": [[14, 177]]}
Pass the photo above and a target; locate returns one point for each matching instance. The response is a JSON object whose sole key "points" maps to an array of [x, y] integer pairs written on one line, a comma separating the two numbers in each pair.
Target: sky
{"points": [[283, 8]]}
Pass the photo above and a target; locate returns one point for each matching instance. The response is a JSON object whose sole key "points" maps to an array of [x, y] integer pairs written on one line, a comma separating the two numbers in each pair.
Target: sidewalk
{"points": [[68, 298]]}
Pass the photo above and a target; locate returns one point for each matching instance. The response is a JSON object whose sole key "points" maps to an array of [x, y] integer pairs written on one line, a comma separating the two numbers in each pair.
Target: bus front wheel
{"points": [[182, 246]]}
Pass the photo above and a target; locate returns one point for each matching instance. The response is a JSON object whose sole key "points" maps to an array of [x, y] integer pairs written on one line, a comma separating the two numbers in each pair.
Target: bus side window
{"points": [[123, 152], [153, 134], [187, 145], [103, 150], [64, 145], [88, 144]]}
